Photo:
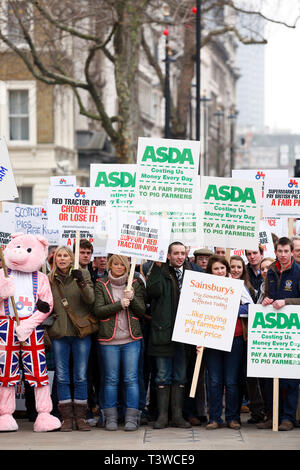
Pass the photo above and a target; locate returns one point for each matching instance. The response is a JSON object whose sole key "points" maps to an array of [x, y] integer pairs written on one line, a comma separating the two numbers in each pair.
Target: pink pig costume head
{"points": [[26, 253]]}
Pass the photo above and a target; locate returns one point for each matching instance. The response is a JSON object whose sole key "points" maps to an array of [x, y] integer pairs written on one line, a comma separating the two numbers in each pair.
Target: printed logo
{"points": [[293, 183], [288, 285]]}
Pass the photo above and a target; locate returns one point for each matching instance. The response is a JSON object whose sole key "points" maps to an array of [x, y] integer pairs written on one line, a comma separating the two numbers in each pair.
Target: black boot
{"points": [[163, 396], [177, 398]]}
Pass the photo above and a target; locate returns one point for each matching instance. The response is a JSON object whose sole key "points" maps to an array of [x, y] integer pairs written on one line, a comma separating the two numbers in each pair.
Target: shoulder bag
{"points": [[84, 326]]}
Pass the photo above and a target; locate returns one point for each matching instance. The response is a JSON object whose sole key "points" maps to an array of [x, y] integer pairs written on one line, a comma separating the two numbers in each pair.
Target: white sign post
{"points": [[207, 312], [274, 346]]}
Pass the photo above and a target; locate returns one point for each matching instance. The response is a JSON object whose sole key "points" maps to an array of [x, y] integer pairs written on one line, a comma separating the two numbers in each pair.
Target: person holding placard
{"points": [[120, 334], [249, 385], [163, 291], [72, 291], [224, 367], [282, 288]]}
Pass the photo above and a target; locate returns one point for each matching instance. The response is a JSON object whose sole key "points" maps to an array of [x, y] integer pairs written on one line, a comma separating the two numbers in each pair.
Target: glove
{"points": [[43, 306], [7, 287], [77, 275]]}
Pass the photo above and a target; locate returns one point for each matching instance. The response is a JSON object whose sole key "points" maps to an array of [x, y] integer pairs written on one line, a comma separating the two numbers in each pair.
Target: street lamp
{"points": [[167, 74], [232, 117], [218, 114], [205, 100], [197, 10]]}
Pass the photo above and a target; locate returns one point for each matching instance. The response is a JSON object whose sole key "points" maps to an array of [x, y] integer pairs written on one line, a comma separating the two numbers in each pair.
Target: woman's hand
{"points": [[128, 294], [125, 303]]}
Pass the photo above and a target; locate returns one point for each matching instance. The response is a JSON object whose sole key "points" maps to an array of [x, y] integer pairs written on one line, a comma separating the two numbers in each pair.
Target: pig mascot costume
{"points": [[24, 256]]}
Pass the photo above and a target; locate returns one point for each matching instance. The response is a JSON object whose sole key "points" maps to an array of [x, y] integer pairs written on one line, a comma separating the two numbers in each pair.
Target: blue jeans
{"points": [[113, 357], [80, 348], [224, 371], [171, 369]]}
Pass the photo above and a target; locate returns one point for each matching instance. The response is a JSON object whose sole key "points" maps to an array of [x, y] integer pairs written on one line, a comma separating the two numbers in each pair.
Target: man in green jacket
{"points": [[163, 291]]}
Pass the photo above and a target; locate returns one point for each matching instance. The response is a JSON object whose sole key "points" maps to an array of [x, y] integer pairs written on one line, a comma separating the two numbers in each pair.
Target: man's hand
{"points": [[267, 301], [278, 304]]}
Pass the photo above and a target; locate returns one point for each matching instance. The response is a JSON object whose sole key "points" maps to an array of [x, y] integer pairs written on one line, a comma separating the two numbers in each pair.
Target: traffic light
{"points": [[297, 169]]}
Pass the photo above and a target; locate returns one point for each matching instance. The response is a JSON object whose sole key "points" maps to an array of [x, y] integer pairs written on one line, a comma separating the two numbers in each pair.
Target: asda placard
{"points": [[273, 342], [119, 179], [207, 310], [282, 197], [139, 236], [8, 188], [230, 212], [166, 172]]}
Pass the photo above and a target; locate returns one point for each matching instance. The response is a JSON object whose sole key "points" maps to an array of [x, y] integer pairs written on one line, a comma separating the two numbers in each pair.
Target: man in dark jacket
{"points": [[254, 258], [283, 288], [163, 291]]}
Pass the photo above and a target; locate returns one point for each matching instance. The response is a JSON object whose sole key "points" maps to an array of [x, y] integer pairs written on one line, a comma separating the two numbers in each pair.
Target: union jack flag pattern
{"points": [[32, 353]]}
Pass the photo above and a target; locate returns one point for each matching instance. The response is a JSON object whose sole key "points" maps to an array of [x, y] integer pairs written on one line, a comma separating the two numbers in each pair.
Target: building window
{"points": [[25, 195], [18, 101], [17, 11]]}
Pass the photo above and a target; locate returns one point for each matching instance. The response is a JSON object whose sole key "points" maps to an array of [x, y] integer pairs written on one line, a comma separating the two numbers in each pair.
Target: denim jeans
{"points": [[171, 369], [113, 357], [224, 371], [80, 348]]}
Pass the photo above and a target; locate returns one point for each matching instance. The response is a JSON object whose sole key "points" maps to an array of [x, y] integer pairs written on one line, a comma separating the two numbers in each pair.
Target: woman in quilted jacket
{"points": [[118, 310]]}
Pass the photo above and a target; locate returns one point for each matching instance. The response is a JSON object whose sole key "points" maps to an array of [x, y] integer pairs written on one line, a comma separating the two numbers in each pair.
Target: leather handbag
{"points": [[84, 326]]}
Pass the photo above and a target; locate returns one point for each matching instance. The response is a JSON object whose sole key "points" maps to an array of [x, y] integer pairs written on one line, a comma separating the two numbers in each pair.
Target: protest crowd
{"points": [[140, 299], [128, 371]]}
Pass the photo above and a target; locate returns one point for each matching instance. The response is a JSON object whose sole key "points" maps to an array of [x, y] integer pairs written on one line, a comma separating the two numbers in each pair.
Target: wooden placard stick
{"points": [[227, 254], [77, 249], [275, 403], [196, 373], [6, 275], [131, 274]]}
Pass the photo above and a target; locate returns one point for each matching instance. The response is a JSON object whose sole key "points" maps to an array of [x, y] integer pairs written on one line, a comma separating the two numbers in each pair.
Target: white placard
{"points": [[27, 218], [259, 175], [230, 212], [139, 236], [274, 342], [282, 197], [207, 310], [77, 209], [8, 188], [7, 227]]}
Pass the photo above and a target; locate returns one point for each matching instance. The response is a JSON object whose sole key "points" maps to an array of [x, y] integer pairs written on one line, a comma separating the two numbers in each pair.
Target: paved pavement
{"points": [[149, 439]]}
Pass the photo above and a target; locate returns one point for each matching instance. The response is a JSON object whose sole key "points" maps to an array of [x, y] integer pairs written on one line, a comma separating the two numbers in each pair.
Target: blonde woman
{"points": [[120, 339], [76, 287]]}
